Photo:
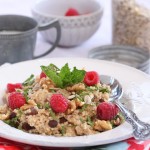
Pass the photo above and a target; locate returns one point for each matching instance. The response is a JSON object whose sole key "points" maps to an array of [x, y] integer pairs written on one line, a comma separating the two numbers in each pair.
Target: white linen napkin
{"points": [[137, 98], [139, 93]]}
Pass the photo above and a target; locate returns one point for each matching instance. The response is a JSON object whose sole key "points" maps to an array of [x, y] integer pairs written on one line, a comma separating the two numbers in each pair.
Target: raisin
{"points": [[53, 123], [33, 111], [101, 100], [62, 120], [93, 118], [12, 115], [26, 126]]}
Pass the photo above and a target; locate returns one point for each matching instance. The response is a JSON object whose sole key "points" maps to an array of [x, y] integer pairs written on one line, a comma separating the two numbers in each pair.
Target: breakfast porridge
{"points": [[60, 102]]}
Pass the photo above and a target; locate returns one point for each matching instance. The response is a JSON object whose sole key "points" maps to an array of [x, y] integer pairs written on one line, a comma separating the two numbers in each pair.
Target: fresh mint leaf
{"points": [[77, 75], [63, 77], [39, 105], [82, 121], [29, 81], [25, 93], [12, 122], [46, 105], [52, 74], [89, 121], [52, 114], [91, 88], [53, 67], [79, 97], [20, 112], [104, 90], [65, 71], [63, 130], [84, 107]]}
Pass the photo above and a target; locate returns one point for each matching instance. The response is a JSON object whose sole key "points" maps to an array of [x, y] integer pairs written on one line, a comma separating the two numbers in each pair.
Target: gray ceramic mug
{"points": [[18, 38]]}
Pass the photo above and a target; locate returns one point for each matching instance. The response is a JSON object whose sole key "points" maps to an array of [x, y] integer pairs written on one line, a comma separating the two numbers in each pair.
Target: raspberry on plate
{"points": [[16, 100], [91, 78], [12, 87], [72, 12], [58, 103], [107, 111], [42, 75]]}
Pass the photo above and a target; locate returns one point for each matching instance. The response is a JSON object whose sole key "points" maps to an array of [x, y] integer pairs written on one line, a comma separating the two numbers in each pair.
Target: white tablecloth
{"points": [[101, 37]]}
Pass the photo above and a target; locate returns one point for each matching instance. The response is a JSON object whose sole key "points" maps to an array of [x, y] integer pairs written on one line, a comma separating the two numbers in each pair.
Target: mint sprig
{"points": [[63, 77], [53, 75], [29, 81]]}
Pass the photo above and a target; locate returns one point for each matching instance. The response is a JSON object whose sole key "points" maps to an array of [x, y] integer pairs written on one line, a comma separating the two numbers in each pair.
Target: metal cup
{"points": [[18, 38]]}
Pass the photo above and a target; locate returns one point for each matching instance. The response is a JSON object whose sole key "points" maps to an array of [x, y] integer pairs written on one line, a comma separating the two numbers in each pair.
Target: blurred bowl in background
{"points": [[74, 29], [128, 55]]}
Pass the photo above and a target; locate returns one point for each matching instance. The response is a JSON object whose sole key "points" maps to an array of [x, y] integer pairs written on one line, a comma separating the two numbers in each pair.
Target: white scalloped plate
{"points": [[20, 71]]}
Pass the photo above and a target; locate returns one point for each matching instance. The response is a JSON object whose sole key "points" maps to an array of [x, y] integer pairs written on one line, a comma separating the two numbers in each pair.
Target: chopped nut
{"points": [[87, 99], [83, 129], [26, 106], [76, 87], [4, 116], [91, 95], [72, 107], [102, 125], [71, 96], [46, 83], [105, 96], [74, 119], [32, 102], [3, 109], [73, 93], [70, 131], [79, 103]]}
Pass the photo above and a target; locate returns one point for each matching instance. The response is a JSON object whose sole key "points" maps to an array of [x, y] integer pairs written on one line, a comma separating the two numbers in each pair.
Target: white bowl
{"points": [[74, 29]]}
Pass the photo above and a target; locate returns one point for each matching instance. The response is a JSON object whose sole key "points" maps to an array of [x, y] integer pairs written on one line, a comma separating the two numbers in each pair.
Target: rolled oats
{"points": [[131, 24]]}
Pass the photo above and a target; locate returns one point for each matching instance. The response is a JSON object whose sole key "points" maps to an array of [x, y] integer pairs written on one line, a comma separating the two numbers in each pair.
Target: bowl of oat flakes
{"points": [[60, 104]]}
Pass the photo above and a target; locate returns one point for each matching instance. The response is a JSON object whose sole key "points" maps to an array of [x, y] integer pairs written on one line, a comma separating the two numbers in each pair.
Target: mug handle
{"points": [[52, 24]]}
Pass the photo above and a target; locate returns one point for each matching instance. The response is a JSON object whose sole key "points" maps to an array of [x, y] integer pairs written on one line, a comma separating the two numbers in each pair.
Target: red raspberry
{"points": [[42, 75], [12, 87], [91, 78], [72, 12], [16, 100], [107, 111], [58, 103]]}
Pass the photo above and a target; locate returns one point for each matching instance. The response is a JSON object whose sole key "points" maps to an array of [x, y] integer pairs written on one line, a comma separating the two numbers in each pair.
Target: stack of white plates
{"points": [[132, 56]]}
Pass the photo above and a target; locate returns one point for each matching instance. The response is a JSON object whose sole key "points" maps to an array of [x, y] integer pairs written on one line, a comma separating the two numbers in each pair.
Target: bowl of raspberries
{"points": [[79, 19]]}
